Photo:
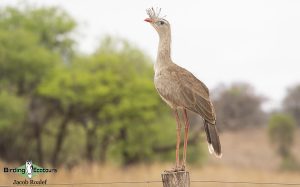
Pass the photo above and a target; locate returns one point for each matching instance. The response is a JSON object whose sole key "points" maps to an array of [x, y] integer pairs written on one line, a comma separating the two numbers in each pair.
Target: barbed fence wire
{"points": [[157, 181]]}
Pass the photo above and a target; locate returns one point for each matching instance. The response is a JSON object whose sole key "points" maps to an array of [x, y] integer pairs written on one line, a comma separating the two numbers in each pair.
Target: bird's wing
{"points": [[195, 95], [184, 89]]}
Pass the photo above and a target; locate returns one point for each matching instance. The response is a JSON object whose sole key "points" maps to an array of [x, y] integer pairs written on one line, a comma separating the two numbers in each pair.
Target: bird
{"points": [[181, 90]]}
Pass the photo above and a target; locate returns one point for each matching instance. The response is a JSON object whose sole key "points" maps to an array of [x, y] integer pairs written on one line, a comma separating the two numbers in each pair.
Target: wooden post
{"points": [[176, 179]]}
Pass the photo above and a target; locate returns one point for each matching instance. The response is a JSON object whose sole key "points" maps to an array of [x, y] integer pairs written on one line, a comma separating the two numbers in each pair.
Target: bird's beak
{"points": [[149, 20]]}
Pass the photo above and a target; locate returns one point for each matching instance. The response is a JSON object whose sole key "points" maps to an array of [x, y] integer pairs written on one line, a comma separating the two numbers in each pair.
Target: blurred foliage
{"points": [[60, 107], [291, 103], [281, 131], [50, 25], [33, 40], [238, 107], [290, 163], [12, 110], [23, 61]]}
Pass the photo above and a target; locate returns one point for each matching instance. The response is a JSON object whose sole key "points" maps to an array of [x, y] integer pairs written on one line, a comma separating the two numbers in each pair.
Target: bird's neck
{"points": [[164, 50]]}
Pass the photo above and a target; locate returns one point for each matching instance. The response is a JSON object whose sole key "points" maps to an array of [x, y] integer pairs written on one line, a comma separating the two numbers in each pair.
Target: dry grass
{"points": [[248, 156], [248, 149], [251, 149]]}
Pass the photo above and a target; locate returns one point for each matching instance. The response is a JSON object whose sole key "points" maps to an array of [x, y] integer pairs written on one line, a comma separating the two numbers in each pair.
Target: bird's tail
{"points": [[214, 145]]}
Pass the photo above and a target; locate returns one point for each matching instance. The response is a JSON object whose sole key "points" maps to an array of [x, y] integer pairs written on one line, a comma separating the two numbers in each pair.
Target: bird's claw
{"points": [[176, 169], [182, 168]]}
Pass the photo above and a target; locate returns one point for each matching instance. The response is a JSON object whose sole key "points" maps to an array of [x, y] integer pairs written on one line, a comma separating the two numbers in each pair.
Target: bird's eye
{"points": [[161, 22]]}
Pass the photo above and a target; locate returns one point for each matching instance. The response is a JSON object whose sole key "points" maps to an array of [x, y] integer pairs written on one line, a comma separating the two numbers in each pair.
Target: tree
{"points": [[281, 132], [50, 25], [238, 107], [34, 40], [291, 103], [12, 110], [12, 114], [33, 43]]}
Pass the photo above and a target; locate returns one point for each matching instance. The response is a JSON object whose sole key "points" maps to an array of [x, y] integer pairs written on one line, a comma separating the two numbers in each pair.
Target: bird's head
{"points": [[160, 24]]}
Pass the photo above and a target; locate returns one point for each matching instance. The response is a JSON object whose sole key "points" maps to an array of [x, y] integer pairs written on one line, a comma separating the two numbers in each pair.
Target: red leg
{"points": [[178, 138], [186, 132]]}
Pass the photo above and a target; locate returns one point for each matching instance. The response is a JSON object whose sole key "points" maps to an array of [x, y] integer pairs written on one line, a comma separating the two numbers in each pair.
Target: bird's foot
{"points": [[176, 169], [182, 167]]}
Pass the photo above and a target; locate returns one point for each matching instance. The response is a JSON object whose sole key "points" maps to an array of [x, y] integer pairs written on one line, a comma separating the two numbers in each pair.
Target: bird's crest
{"points": [[154, 14]]}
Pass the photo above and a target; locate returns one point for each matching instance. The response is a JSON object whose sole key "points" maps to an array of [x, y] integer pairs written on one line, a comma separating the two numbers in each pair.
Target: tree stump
{"points": [[176, 179]]}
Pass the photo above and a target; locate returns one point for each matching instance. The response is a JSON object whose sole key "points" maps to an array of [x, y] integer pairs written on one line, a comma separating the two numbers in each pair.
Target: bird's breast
{"points": [[166, 88]]}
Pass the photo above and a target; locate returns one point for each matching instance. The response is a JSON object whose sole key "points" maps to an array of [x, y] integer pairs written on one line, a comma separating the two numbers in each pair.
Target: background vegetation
{"points": [[61, 107]]}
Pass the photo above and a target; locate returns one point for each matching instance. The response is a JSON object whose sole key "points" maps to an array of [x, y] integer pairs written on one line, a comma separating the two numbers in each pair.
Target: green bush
{"points": [[281, 132]]}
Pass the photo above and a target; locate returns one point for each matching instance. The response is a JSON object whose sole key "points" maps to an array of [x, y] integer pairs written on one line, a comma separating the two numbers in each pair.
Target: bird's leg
{"points": [[186, 132], [178, 138]]}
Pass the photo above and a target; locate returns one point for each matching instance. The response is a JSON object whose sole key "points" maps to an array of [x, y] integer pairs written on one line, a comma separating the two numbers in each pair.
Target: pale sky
{"points": [[255, 41]]}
